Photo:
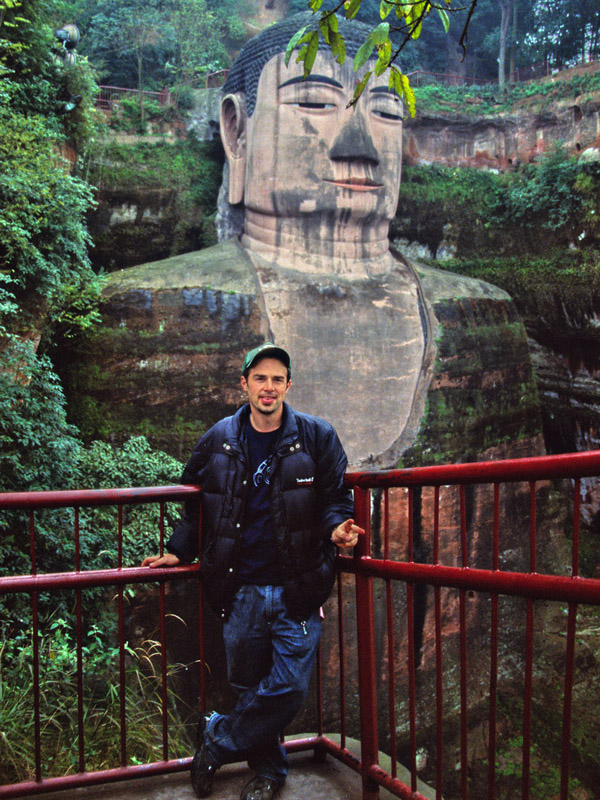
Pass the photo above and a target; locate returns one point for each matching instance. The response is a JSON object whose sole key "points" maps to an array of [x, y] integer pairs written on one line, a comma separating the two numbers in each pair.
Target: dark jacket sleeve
{"points": [[335, 499], [184, 540]]}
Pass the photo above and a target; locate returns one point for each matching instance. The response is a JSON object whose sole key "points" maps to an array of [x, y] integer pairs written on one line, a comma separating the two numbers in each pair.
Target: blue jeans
{"points": [[270, 658]]}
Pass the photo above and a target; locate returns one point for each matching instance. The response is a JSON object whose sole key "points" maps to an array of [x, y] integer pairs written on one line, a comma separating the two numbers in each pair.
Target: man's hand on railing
{"points": [[346, 534], [168, 560]]}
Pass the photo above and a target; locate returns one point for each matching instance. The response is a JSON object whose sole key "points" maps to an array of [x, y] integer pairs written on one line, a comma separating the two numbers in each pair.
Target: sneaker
{"points": [[260, 788], [202, 773]]}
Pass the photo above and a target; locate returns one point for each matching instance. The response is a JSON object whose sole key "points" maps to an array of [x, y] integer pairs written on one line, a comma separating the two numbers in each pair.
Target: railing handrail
{"points": [[571, 465], [129, 89], [96, 497], [85, 579], [449, 77], [534, 585]]}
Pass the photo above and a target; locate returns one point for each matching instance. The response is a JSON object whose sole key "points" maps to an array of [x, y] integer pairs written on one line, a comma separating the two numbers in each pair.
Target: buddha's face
{"points": [[308, 153]]}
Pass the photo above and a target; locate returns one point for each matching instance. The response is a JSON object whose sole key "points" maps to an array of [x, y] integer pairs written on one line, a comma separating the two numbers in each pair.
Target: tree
{"points": [[43, 246], [506, 8], [195, 25], [129, 39], [565, 31], [148, 44], [201, 29]]}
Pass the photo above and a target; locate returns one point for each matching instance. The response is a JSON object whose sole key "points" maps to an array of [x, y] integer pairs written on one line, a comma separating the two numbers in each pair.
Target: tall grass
{"points": [[101, 704]]}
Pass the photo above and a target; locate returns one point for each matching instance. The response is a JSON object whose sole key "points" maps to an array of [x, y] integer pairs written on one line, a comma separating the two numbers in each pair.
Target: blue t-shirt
{"points": [[258, 562]]}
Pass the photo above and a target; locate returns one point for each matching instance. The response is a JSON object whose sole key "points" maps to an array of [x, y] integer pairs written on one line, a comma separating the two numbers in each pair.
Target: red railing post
{"points": [[365, 645]]}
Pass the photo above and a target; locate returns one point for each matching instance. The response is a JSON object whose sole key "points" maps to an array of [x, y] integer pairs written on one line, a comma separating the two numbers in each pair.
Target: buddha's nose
{"points": [[354, 142]]}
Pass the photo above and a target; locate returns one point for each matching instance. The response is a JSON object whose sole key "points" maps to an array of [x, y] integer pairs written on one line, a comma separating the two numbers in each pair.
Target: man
{"points": [[273, 507]]}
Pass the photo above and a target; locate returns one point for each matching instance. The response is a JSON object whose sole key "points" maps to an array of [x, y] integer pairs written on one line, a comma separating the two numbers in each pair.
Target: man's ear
{"points": [[233, 135]]}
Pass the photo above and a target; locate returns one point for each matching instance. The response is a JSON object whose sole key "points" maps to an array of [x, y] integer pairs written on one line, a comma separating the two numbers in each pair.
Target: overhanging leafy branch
{"points": [[378, 44]]}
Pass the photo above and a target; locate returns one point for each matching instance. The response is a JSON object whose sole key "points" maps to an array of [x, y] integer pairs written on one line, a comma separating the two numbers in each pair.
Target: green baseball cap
{"points": [[267, 350]]}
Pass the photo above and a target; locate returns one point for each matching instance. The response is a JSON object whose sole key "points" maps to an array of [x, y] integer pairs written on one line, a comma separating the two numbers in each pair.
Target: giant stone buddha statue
{"points": [[312, 188]]}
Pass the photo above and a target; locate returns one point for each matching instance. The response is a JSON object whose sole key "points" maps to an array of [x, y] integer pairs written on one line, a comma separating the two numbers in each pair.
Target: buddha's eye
{"points": [[388, 115], [313, 105]]}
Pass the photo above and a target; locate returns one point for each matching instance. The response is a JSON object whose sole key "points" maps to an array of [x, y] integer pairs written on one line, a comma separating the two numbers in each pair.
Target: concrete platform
{"points": [[308, 780]]}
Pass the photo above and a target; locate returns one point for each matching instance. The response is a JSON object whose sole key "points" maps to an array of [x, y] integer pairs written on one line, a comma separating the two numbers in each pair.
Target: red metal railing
{"points": [[421, 77], [119, 577], [432, 640], [112, 94], [467, 579]]}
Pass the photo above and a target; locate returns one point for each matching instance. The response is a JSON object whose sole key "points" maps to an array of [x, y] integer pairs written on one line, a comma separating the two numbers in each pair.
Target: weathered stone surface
{"points": [[132, 224], [502, 141], [483, 392], [165, 362], [203, 118]]}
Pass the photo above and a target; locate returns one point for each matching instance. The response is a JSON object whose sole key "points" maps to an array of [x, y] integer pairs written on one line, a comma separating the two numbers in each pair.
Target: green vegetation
{"points": [[547, 709], [98, 466], [485, 99], [184, 166], [101, 703], [132, 115], [188, 170], [464, 417], [434, 197], [148, 44], [545, 775], [540, 283], [549, 205], [47, 287], [43, 242], [533, 232], [44, 264], [559, 194]]}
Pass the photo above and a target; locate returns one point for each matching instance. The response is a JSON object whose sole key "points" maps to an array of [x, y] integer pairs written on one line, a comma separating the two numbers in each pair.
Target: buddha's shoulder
{"points": [[223, 267], [438, 285]]}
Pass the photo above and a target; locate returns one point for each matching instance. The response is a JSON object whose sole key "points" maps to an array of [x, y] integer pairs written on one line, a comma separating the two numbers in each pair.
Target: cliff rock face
{"points": [[132, 224], [502, 141], [564, 341], [203, 117], [165, 362]]}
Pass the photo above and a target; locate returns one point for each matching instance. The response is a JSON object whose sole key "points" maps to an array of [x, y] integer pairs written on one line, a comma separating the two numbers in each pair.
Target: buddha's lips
{"points": [[356, 184]]}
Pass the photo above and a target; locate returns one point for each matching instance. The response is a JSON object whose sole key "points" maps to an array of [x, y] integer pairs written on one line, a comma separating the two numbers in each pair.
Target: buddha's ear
{"points": [[233, 135]]}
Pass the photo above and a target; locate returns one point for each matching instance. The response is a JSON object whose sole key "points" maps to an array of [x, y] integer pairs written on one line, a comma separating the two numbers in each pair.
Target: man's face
{"points": [[309, 154], [266, 386]]}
